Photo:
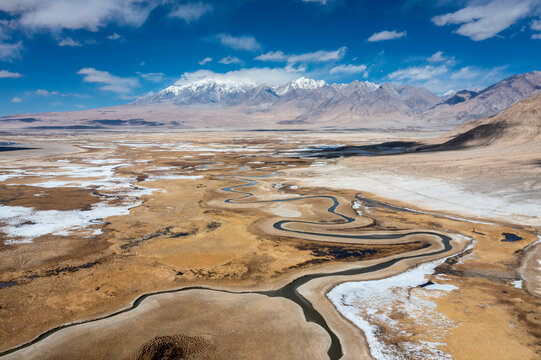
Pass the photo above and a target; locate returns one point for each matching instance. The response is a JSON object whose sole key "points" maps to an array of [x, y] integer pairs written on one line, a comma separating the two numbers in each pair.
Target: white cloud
{"points": [[386, 35], [47, 93], [190, 11], [437, 57], [417, 73], [311, 57], [6, 27], [296, 63], [269, 76], [42, 92], [154, 77], [4, 74], [113, 36], [16, 100], [54, 15], [536, 26], [318, 56], [482, 77], [440, 79], [231, 60], [466, 72], [481, 22], [292, 68], [277, 56], [10, 52], [68, 42], [110, 82], [244, 42], [348, 69], [205, 60]]}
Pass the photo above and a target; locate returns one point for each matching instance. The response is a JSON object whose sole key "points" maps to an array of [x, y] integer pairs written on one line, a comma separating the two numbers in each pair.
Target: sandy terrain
{"points": [[530, 269], [84, 234], [480, 189], [487, 183], [201, 313]]}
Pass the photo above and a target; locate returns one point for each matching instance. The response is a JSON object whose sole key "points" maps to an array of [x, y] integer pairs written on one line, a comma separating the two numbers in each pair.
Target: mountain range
{"points": [[300, 104], [470, 105], [304, 100]]}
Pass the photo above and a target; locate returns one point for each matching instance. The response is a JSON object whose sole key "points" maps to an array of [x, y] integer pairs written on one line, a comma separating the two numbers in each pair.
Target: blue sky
{"points": [[58, 55]]}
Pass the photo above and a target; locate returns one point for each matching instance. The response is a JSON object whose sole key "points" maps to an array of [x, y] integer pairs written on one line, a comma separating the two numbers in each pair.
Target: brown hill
{"points": [[519, 123]]}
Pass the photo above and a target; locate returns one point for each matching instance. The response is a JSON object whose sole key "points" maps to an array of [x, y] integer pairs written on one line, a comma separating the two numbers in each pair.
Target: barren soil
{"points": [[85, 233]]}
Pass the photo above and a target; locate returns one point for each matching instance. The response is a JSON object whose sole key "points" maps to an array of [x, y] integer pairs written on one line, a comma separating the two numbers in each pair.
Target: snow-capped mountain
{"points": [[227, 92], [224, 103], [299, 84], [311, 97], [306, 101], [200, 92]]}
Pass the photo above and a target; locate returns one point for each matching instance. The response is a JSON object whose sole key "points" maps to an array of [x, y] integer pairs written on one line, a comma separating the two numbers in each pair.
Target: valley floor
{"points": [[113, 230]]}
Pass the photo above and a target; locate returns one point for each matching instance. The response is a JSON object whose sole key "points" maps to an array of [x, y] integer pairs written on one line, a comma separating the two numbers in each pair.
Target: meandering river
{"points": [[289, 291]]}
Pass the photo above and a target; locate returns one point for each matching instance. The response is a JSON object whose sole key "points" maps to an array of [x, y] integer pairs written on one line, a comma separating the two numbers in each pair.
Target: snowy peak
{"points": [[307, 84], [232, 86], [299, 84], [204, 91], [356, 85], [226, 91], [241, 86], [210, 85], [312, 95]]}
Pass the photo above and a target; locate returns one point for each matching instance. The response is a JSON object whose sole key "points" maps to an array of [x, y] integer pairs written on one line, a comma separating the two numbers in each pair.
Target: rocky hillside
{"points": [[466, 106], [519, 123]]}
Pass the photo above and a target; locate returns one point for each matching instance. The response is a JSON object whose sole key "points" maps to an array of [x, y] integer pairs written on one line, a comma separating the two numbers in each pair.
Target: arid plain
{"points": [[123, 245]]}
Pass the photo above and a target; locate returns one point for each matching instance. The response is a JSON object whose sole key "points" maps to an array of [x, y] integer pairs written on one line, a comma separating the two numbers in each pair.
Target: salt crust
{"points": [[372, 305]]}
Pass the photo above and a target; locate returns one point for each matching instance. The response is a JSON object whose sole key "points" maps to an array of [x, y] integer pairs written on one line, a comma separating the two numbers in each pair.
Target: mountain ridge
{"points": [[300, 104], [519, 123], [315, 101], [488, 101]]}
